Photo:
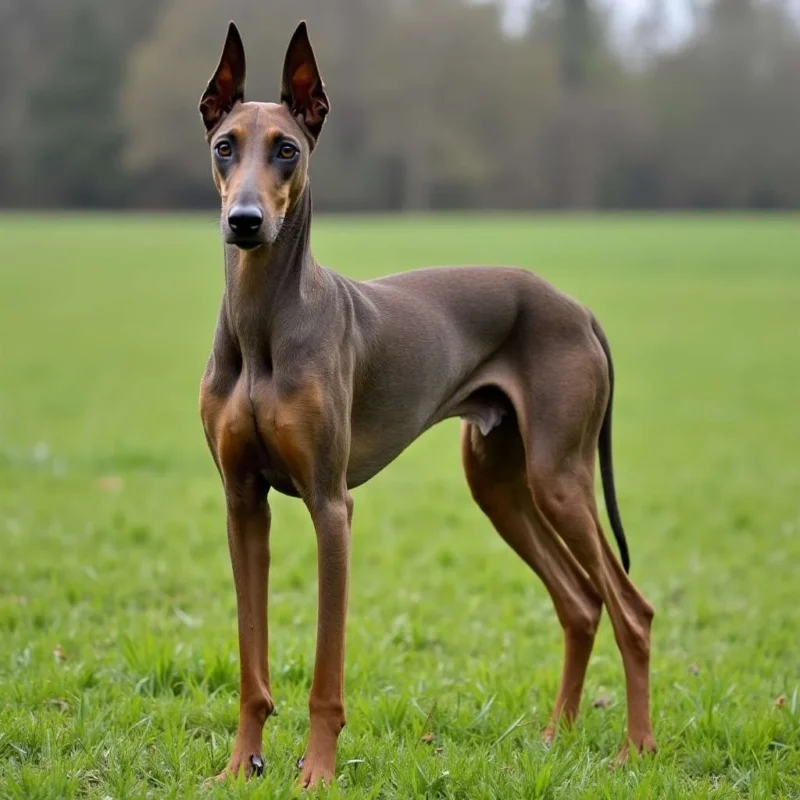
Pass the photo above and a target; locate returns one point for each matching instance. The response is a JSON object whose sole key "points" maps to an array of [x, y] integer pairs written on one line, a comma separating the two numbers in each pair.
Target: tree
{"points": [[434, 104], [29, 33], [727, 111], [76, 136]]}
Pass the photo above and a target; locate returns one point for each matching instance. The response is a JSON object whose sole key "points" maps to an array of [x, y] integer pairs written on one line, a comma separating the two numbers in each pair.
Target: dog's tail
{"points": [[606, 463]]}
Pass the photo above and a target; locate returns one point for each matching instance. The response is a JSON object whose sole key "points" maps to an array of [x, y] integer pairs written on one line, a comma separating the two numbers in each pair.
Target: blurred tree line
{"points": [[435, 103]]}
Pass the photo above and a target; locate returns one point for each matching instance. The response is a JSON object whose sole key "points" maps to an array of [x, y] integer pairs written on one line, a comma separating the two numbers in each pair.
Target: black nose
{"points": [[245, 220]]}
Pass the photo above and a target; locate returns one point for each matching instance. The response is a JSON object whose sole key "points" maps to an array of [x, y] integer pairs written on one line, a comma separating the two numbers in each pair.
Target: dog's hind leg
{"points": [[562, 423], [495, 470]]}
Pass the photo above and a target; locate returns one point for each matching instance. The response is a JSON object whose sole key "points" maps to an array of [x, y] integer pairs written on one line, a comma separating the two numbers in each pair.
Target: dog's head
{"points": [[260, 151]]}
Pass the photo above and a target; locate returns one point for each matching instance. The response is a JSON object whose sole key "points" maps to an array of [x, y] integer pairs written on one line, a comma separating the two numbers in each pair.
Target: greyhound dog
{"points": [[316, 382]]}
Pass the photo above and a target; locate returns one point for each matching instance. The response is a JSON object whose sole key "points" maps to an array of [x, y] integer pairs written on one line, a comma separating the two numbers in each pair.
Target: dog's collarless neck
{"points": [[268, 287]]}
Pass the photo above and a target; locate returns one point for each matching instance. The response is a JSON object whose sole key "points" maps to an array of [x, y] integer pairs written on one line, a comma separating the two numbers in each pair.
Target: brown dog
{"points": [[316, 382]]}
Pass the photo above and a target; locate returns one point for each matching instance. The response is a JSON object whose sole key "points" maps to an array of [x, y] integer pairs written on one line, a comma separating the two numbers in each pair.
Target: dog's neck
{"points": [[269, 287]]}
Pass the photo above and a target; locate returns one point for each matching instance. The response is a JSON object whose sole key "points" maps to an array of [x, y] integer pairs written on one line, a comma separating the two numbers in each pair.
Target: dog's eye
{"points": [[223, 149], [287, 151]]}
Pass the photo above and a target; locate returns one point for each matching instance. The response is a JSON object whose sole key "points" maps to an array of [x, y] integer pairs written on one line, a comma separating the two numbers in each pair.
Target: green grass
{"points": [[113, 547]]}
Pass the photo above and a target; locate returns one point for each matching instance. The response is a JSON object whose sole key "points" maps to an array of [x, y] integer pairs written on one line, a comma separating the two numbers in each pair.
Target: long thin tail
{"points": [[606, 463]]}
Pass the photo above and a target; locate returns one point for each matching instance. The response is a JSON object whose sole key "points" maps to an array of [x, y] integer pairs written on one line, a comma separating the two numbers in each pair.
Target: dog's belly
{"points": [[479, 399]]}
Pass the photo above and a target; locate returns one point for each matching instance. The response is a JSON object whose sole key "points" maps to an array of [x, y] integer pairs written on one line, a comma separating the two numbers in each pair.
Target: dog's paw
{"points": [[314, 772], [647, 746]]}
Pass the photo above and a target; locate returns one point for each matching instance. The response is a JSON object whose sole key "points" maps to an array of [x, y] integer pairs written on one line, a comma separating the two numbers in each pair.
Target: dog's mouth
{"points": [[246, 244], [250, 242]]}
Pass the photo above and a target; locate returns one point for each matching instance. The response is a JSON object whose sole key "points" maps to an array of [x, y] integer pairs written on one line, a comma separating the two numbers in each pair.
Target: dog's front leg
{"points": [[332, 519], [248, 539]]}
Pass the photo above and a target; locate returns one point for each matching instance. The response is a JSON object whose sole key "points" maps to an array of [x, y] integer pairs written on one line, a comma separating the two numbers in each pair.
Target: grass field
{"points": [[118, 672]]}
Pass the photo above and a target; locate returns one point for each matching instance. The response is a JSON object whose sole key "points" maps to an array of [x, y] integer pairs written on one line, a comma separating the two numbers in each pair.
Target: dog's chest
{"points": [[256, 428]]}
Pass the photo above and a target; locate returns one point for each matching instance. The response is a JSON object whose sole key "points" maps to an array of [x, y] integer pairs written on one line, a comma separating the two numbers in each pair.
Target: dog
{"points": [[316, 382]]}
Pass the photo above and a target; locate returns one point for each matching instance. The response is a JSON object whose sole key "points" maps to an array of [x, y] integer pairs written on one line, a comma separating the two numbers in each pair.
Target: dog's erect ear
{"points": [[302, 89], [226, 87]]}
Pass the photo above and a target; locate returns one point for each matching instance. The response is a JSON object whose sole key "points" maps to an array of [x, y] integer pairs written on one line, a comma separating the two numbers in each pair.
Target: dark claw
{"points": [[257, 763]]}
